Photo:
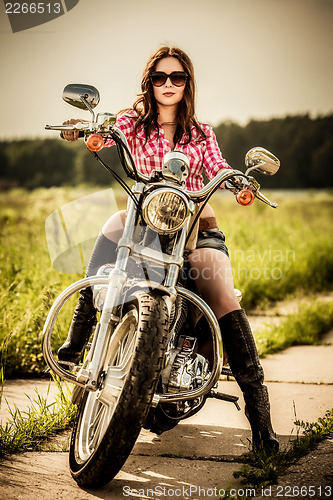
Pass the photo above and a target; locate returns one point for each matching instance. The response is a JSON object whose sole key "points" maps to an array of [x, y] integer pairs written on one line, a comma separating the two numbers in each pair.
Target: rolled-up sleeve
{"points": [[125, 123], [213, 160]]}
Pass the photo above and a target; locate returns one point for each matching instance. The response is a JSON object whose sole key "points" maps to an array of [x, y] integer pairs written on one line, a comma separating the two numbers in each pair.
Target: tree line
{"points": [[303, 144]]}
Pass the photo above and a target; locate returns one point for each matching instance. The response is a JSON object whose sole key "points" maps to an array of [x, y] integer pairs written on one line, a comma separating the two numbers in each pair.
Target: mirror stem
{"points": [[85, 102], [254, 167]]}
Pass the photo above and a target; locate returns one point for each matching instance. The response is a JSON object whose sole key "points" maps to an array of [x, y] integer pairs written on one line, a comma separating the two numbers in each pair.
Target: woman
{"points": [[163, 119]]}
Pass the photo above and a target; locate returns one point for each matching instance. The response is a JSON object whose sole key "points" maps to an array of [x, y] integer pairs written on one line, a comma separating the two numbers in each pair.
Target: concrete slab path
{"points": [[197, 458]]}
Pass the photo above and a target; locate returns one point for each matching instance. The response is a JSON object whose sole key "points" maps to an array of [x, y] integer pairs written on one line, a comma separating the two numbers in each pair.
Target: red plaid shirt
{"points": [[203, 154]]}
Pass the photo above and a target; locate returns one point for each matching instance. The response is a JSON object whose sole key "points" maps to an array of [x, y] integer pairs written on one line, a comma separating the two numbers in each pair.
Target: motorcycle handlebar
{"points": [[203, 193], [214, 183], [195, 196]]}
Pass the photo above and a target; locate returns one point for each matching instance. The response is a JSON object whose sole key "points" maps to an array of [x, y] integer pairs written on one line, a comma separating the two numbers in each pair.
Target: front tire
{"points": [[109, 421]]}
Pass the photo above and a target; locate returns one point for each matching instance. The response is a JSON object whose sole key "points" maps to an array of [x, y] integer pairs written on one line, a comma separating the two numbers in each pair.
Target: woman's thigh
{"points": [[212, 273]]}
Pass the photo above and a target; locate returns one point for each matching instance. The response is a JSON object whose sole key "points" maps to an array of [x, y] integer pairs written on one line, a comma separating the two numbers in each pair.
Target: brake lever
{"points": [[263, 198], [78, 126]]}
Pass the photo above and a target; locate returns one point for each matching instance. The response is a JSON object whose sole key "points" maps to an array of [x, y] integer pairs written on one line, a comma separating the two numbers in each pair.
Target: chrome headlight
{"points": [[166, 210]]}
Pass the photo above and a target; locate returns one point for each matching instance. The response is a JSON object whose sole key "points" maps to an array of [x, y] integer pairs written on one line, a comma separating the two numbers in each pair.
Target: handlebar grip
{"points": [[81, 134]]}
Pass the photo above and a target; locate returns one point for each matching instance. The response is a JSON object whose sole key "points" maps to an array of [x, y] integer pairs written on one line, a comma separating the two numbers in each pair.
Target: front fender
{"points": [[146, 287]]}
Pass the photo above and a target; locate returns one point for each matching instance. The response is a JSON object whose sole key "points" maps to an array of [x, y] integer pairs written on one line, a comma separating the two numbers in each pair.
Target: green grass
{"points": [[27, 430], [302, 328], [274, 253], [28, 283], [262, 469]]}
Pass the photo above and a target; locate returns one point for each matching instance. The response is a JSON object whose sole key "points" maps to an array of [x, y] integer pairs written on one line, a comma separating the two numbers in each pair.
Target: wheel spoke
{"points": [[96, 429]]}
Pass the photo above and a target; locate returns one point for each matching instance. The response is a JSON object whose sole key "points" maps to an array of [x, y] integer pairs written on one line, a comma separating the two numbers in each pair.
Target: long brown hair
{"points": [[146, 106]]}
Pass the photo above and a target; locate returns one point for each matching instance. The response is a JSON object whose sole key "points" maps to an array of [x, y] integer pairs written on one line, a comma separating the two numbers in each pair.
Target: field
{"points": [[275, 254]]}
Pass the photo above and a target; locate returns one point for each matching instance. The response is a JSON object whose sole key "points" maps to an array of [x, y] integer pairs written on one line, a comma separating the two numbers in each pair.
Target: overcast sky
{"points": [[252, 58]]}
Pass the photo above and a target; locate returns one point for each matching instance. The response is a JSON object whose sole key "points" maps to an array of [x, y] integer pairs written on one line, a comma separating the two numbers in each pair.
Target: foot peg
{"points": [[226, 371], [224, 397], [67, 365]]}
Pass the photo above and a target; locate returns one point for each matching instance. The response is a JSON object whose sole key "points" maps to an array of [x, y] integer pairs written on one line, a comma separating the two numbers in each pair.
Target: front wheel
{"points": [[109, 421]]}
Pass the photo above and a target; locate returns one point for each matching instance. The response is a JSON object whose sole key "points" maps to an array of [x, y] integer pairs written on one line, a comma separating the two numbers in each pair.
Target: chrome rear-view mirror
{"points": [[262, 161], [81, 96]]}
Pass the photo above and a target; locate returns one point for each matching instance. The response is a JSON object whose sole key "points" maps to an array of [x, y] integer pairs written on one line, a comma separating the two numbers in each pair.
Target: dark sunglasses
{"points": [[177, 78]]}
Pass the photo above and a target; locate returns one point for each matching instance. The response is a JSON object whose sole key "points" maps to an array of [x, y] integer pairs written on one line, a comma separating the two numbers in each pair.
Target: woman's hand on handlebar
{"points": [[71, 135], [223, 169]]}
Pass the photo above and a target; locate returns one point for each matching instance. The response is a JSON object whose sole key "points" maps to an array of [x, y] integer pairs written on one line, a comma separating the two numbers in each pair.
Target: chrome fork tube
{"points": [[126, 241], [109, 318], [173, 269], [171, 278]]}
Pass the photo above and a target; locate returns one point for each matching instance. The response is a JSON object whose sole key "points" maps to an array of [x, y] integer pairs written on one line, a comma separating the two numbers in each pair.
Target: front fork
{"points": [[109, 318], [89, 373]]}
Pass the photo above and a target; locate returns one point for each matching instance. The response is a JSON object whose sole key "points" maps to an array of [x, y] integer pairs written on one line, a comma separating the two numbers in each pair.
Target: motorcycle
{"points": [[143, 367]]}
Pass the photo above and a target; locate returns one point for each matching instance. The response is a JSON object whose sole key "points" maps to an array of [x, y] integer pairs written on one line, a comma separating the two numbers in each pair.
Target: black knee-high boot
{"points": [[84, 318], [244, 362]]}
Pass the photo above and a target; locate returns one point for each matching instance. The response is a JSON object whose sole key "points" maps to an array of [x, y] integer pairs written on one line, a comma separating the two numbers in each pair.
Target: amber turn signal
{"points": [[245, 197], [95, 142]]}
